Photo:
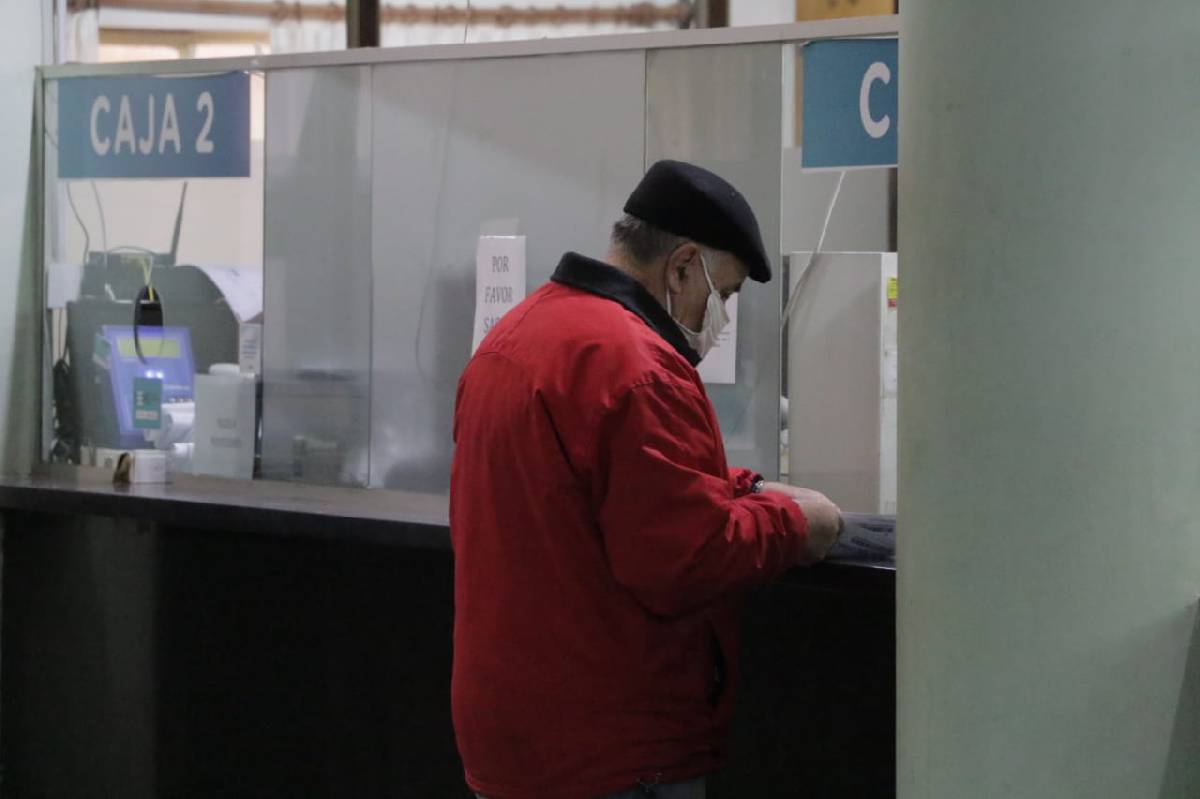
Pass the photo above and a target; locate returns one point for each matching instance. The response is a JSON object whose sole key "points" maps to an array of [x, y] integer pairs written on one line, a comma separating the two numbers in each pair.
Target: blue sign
{"points": [[154, 127], [851, 98]]}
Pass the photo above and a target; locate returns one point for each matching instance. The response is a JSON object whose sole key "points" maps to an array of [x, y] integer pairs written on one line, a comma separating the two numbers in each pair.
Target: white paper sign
{"points": [[242, 288], [720, 365], [499, 281], [250, 348]]}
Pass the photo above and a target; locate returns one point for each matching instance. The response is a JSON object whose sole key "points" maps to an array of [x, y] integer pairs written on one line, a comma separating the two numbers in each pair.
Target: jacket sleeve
{"points": [[675, 534], [743, 480]]}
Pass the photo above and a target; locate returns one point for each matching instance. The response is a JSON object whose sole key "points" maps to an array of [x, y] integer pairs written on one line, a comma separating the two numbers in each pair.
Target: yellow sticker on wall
{"points": [[807, 10], [893, 291]]}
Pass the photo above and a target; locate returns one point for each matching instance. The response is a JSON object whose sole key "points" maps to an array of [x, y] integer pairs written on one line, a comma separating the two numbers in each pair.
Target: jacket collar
{"points": [[606, 281]]}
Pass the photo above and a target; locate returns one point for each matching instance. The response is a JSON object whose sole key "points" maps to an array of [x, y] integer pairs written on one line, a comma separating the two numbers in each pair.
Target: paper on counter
{"points": [[720, 365]]}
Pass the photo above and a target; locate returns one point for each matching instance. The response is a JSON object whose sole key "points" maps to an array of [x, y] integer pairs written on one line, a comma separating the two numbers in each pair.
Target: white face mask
{"points": [[715, 318]]}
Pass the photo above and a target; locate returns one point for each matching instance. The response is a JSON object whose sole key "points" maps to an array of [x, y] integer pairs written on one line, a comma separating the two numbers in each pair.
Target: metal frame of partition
{"points": [[862, 27]]}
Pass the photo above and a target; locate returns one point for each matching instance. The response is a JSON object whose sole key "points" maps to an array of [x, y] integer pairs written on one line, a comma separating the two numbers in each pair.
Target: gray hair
{"points": [[643, 242]]}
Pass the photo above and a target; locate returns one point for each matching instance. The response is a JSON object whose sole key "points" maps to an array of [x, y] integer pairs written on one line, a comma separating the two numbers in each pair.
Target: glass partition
{"points": [[317, 341], [464, 149], [312, 311], [719, 107]]}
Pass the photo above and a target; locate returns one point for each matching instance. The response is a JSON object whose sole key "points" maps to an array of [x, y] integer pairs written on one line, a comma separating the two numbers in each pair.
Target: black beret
{"points": [[692, 202]]}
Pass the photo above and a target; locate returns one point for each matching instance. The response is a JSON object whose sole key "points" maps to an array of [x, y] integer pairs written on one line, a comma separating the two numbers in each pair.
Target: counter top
{"points": [[393, 518]]}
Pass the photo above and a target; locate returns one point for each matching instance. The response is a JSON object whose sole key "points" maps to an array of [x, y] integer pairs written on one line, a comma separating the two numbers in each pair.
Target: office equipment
{"points": [[842, 379], [117, 369], [110, 284], [211, 328]]}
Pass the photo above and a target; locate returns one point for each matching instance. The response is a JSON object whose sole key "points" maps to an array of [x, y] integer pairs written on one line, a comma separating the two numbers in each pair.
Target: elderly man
{"points": [[601, 541]]}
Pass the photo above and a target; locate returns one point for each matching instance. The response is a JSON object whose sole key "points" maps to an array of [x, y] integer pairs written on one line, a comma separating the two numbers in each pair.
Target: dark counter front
{"points": [[214, 638]]}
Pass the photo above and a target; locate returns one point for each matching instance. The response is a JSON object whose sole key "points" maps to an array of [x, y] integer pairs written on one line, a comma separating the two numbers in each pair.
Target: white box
{"points": [[842, 380], [224, 431], [148, 466]]}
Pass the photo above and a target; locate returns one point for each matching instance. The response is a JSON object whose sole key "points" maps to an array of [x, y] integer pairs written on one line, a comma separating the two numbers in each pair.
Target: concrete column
{"points": [[24, 43], [1049, 400]]}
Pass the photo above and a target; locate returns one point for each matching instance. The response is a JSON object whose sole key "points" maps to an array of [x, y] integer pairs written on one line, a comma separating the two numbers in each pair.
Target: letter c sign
{"points": [[875, 128], [851, 104]]}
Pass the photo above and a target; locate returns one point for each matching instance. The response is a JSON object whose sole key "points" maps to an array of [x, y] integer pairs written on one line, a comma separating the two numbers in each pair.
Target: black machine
{"points": [[109, 293]]}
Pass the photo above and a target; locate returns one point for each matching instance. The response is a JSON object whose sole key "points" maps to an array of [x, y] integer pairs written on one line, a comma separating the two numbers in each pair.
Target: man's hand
{"points": [[792, 491], [824, 518]]}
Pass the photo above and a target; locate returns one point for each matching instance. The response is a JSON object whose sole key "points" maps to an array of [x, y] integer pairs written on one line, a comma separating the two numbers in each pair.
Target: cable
{"points": [[798, 291], [87, 238], [66, 415], [467, 22], [65, 447], [147, 272], [103, 223], [829, 212], [147, 304], [147, 264]]}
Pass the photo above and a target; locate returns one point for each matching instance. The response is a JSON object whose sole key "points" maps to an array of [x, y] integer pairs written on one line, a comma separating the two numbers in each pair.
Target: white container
{"points": [[225, 425]]}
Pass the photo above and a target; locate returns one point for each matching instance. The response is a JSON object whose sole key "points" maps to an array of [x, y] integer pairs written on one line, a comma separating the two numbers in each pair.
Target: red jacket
{"points": [[601, 543]]}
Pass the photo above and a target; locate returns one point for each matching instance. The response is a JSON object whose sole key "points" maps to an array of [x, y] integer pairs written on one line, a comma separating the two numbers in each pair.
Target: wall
{"points": [[772, 12], [1050, 401], [761, 12], [23, 45], [287, 34]]}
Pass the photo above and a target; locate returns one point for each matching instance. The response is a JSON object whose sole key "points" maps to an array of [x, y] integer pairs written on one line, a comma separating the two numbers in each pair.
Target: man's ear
{"points": [[677, 264]]}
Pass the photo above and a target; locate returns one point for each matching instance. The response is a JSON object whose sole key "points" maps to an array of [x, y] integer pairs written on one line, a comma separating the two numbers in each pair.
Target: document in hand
{"points": [[865, 536]]}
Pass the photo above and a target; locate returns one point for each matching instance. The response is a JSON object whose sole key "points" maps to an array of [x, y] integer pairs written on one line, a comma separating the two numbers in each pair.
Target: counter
{"points": [[270, 508], [212, 637]]}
